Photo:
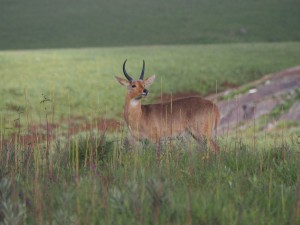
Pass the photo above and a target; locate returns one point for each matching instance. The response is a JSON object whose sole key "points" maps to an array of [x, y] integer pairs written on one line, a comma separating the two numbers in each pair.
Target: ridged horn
{"points": [[143, 71], [129, 78]]}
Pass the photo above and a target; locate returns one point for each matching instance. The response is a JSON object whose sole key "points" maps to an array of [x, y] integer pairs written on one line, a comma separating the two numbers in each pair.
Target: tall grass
{"points": [[94, 178]]}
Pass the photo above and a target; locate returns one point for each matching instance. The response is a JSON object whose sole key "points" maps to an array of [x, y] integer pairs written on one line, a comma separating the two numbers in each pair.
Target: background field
{"points": [[81, 82], [58, 60], [91, 23]]}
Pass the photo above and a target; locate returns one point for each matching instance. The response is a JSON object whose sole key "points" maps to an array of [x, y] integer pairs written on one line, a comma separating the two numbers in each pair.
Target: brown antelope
{"points": [[193, 115]]}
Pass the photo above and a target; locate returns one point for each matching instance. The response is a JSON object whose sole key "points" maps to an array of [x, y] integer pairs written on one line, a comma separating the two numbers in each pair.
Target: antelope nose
{"points": [[145, 92]]}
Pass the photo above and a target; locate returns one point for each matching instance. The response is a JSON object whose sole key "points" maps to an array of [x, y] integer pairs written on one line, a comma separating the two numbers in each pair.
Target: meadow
{"points": [[94, 177], [80, 82], [57, 65]]}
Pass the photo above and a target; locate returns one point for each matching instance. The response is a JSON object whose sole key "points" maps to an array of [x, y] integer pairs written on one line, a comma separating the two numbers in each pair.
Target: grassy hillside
{"points": [[89, 23], [81, 82]]}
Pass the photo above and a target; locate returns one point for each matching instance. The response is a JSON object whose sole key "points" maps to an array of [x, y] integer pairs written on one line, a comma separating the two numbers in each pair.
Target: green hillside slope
{"points": [[64, 23]]}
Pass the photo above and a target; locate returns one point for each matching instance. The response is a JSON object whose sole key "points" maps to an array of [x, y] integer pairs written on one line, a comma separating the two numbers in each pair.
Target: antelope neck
{"points": [[132, 109], [134, 102]]}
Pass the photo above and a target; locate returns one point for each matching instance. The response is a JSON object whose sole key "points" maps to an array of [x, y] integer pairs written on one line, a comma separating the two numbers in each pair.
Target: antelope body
{"points": [[193, 115]]}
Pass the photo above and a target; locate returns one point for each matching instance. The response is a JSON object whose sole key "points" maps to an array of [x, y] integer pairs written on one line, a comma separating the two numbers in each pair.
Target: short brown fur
{"points": [[193, 115]]}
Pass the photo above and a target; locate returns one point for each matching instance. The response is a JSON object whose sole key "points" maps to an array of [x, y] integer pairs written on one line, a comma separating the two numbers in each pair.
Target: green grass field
{"points": [[91, 23], [58, 60], [81, 82]]}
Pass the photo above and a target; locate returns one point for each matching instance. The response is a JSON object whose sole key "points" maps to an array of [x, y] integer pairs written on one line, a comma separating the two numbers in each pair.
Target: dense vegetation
{"points": [[94, 179]]}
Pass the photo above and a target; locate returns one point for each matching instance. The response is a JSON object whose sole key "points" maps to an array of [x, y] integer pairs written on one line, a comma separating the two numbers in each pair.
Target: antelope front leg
{"points": [[130, 142], [158, 149], [215, 146]]}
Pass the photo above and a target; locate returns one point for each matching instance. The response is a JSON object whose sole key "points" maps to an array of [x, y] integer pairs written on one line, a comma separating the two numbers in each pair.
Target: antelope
{"points": [[155, 122]]}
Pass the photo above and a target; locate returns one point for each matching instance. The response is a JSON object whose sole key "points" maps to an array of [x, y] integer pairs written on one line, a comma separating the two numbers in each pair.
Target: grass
{"points": [[47, 24], [286, 104], [48, 175], [80, 82], [94, 179]]}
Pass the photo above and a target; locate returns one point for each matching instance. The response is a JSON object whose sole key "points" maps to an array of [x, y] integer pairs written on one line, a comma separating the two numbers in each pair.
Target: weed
{"points": [[12, 211]]}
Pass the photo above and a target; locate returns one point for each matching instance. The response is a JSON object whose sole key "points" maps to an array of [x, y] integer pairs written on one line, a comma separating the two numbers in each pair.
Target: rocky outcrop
{"points": [[260, 98]]}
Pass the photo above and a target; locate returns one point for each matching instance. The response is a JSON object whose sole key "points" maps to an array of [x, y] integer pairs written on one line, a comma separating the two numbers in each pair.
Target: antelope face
{"points": [[136, 88]]}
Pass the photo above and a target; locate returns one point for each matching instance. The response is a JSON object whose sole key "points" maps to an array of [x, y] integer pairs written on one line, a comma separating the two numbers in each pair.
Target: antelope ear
{"points": [[149, 80], [122, 81]]}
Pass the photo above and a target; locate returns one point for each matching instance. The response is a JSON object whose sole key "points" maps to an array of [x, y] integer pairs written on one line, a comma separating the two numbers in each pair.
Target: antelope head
{"points": [[136, 88]]}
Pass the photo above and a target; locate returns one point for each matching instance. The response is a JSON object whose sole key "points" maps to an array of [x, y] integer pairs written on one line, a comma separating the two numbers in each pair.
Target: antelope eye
{"points": [[133, 86]]}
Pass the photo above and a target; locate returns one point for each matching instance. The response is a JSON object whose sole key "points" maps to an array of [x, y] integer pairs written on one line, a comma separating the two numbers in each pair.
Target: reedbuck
{"points": [[193, 115]]}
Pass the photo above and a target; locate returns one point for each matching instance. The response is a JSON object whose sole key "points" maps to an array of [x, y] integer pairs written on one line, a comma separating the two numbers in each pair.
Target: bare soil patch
{"points": [[46, 133], [101, 124]]}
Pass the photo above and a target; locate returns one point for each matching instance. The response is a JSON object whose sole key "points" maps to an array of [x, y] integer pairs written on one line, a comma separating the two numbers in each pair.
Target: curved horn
{"points": [[143, 71], [125, 73]]}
